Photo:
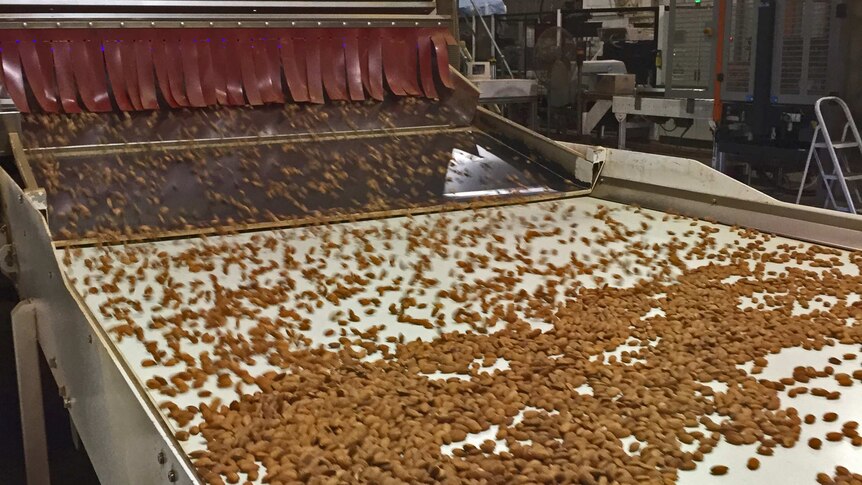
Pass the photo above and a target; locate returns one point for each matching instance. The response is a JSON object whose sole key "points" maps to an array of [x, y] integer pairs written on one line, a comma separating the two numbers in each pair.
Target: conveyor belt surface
{"points": [[563, 332]]}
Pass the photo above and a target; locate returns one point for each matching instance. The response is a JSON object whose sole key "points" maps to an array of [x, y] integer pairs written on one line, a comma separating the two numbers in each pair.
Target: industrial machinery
{"points": [[776, 59], [153, 134]]}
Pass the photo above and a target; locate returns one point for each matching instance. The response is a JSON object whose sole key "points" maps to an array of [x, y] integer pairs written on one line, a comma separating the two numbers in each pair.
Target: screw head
{"points": [[161, 458], [172, 476]]}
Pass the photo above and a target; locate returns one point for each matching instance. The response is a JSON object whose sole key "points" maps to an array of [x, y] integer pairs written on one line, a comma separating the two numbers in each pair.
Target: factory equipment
{"points": [[199, 178], [777, 60]]}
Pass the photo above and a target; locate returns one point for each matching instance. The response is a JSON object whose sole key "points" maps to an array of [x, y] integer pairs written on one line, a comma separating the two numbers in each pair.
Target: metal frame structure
{"points": [[121, 427]]}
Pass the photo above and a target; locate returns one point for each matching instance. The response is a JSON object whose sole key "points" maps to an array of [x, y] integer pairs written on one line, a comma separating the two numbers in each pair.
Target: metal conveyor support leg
{"points": [[30, 393]]}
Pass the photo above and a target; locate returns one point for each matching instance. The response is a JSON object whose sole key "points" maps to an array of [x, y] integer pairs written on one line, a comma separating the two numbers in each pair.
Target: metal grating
{"points": [[819, 14], [806, 67], [742, 38], [692, 46], [792, 49]]}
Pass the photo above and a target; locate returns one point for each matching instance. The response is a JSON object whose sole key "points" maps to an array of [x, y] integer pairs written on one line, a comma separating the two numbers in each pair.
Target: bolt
{"points": [[161, 458], [172, 476]]}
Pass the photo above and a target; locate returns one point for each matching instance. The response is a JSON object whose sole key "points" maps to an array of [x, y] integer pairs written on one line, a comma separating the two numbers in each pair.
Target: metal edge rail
{"points": [[693, 189], [315, 221], [237, 141], [215, 20], [120, 427]]}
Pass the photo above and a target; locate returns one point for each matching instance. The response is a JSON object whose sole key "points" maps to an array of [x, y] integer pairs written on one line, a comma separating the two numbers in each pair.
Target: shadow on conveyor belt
{"points": [[68, 465]]}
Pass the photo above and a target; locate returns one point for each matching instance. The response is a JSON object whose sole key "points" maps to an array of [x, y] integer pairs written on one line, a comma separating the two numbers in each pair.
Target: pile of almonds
{"points": [[346, 397]]}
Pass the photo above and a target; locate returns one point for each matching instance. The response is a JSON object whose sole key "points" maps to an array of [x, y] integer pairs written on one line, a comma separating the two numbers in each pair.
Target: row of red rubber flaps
{"points": [[74, 70]]}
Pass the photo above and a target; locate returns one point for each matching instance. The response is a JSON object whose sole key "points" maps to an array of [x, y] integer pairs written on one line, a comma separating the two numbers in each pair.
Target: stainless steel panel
{"points": [[806, 61], [739, 52], [691, 48], [119, 427]]}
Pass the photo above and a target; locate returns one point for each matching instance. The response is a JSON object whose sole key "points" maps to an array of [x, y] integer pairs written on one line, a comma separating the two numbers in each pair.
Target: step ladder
{"points": [[839, 168]]}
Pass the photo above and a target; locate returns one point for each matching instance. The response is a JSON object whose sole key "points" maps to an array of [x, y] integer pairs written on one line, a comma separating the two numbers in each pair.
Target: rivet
{"points": [[161, 458], [152, 24], [52, 362], [122, 24], [182, 24], [172, 476], [24, 24]]}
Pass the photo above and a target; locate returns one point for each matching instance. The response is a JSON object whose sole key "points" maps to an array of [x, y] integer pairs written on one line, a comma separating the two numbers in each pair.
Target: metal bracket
{"points": [[25, 336], [22, 162], [8, 260]]}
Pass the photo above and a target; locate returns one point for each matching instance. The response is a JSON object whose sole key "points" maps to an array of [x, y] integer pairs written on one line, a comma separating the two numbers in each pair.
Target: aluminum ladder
{"points": [[841, 171]]}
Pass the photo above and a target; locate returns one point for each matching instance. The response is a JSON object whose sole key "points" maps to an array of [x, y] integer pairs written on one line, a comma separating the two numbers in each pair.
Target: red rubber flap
{"points": [[392, 63], [146, 82], [114, 61], [217, 52], [354, 71], [88, 65], [176, 76], [130, 71], [294, 69], [249, 76], [41, 85], [160, 62], [205, 66], [311, 45], [233, 76], [65, 77], [14, 75], [426, 71], [191, 69], [333, 69], [273, 63], [375, 65], [261, 67], [409, 70], [442, 51]]}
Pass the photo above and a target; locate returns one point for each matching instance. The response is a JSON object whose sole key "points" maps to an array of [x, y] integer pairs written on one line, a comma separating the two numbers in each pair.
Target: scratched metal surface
{"points": [[206, 187]]}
